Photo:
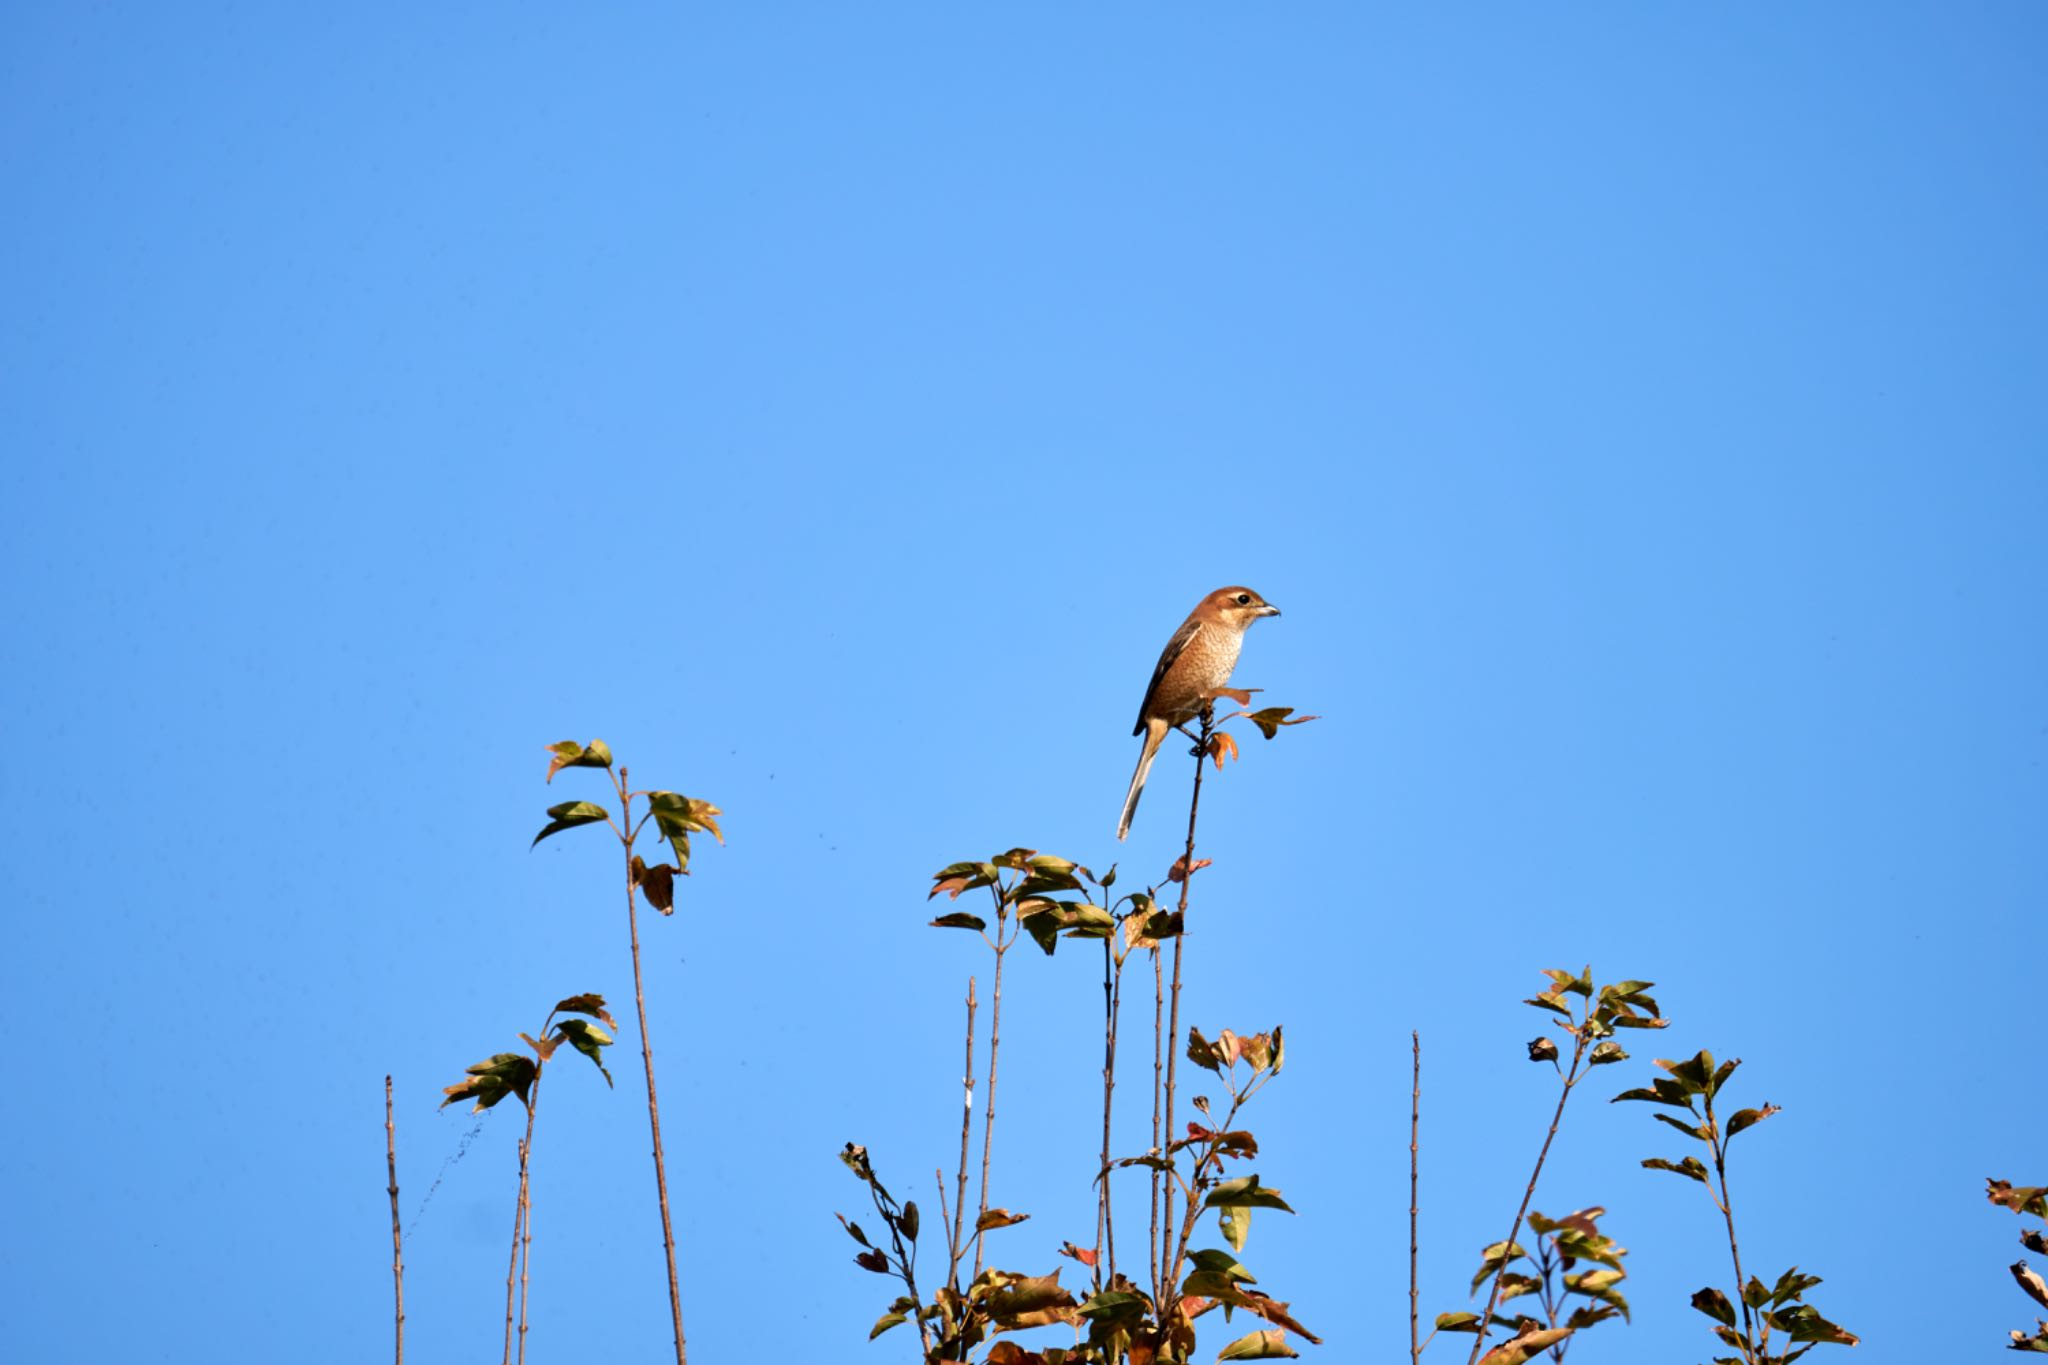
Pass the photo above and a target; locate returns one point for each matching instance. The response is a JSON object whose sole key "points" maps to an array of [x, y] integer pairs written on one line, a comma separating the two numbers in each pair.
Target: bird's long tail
{"points": [[1155, 731]]}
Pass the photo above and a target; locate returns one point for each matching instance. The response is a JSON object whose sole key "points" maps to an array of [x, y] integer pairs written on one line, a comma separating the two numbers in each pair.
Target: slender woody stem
{"points": [[1108, 1090], [1734, 1251], [668, 1237], [526, 1214], [1564, 1094], [1187, 874], [995, 1025], [959, 1245], [1158, 1093], [397, 1250], [1414, 1204]]}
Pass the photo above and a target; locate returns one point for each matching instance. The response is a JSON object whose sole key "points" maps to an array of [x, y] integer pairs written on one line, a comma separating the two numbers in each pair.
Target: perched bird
{"points": [[1196, 661]]}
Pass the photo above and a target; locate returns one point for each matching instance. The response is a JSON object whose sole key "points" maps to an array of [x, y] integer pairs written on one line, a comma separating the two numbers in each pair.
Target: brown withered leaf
{"points": [[589, 1003], [658, 884], [2033, 1241], [1182, 868], [998, 1218], [2031, 1281], [1241, 695], [1085, 1255], [2020, 1199], [873, 1260], [1016, 1302], [1530, 1340], [1222, 746], [1010, 1353], [1542, 1050]]}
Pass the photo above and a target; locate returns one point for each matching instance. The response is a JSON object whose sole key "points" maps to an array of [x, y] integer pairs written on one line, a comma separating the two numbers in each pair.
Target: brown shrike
{"points": [[1196, 661]]}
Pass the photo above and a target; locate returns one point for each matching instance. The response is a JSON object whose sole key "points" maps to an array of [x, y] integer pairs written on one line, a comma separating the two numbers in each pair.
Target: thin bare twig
{"points": [[958, 1244], [1734, 1251], [1105, 1251], [1158, 1093], [1564, 1093], [1187, 875], [526, 1215], [397, 1249], [1108, 1091], [668, 1236], [1414, 1204], [995, 1025]]}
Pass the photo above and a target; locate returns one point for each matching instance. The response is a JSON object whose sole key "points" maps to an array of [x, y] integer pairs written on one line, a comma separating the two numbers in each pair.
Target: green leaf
{"points": [[906, 1222], [1749, 1118], [1791, 1285], [1236, 1226], [884, 1323], [1803, 1323], [569, 815], [570, 754], [1604, 1054], [1697, 1134], [1691, 1166], [1755, 1294], [1715, 1305], [1552, 1001], [1270, 1344], [1089, 921], [1044, 926], [1458, 1322], [491, 1080], [1694, 1073], [678, 816], [1494, 1257], [588, 1039], [1245, 1192], [959, 919], [1661, 1092], [1222, 1263], [852, 1229]]}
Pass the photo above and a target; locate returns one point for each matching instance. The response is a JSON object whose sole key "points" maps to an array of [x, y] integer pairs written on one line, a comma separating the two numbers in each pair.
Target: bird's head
{"points": [[1236, 607]]}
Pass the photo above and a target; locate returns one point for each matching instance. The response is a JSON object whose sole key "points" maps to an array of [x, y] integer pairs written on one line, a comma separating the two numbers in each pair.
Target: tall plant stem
{"points": [[1564, 1093], [1187, 875], [1728, 1213], [397, 1250], [526, 1213], [519, 1208], [959, 1233], [1414, 1203], [1105, 1223], [1158, 1094], [995, 1042], [668, 1235]]}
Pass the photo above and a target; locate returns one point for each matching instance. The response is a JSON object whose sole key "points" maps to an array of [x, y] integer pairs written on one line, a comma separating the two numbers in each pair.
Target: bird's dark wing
{"points": [[1172, 651]]}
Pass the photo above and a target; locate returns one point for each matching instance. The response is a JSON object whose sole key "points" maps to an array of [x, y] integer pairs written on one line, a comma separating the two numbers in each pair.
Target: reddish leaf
{"points": [[1084, 1255], [1221, 746], [1181, 868]]}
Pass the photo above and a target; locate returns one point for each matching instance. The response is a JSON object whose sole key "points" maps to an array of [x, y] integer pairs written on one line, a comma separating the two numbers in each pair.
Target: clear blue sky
{"points": [[1636, 409]]}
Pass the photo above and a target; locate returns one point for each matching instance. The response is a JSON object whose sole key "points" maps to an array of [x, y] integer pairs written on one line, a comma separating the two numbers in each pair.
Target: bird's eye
{"points": [[1244, 599]]}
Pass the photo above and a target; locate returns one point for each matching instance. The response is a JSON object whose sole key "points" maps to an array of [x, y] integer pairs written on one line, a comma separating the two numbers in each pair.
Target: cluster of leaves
{"points": [[1561, 1244], [1693, 1085], [1588, 1018], [675, 816], [956, 1320], [513, 1073], [1032, 892], [2027, 1200]]}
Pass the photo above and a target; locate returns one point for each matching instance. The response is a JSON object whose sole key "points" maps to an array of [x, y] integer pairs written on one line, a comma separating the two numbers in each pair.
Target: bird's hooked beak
{"points": [[1269, 610]]}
